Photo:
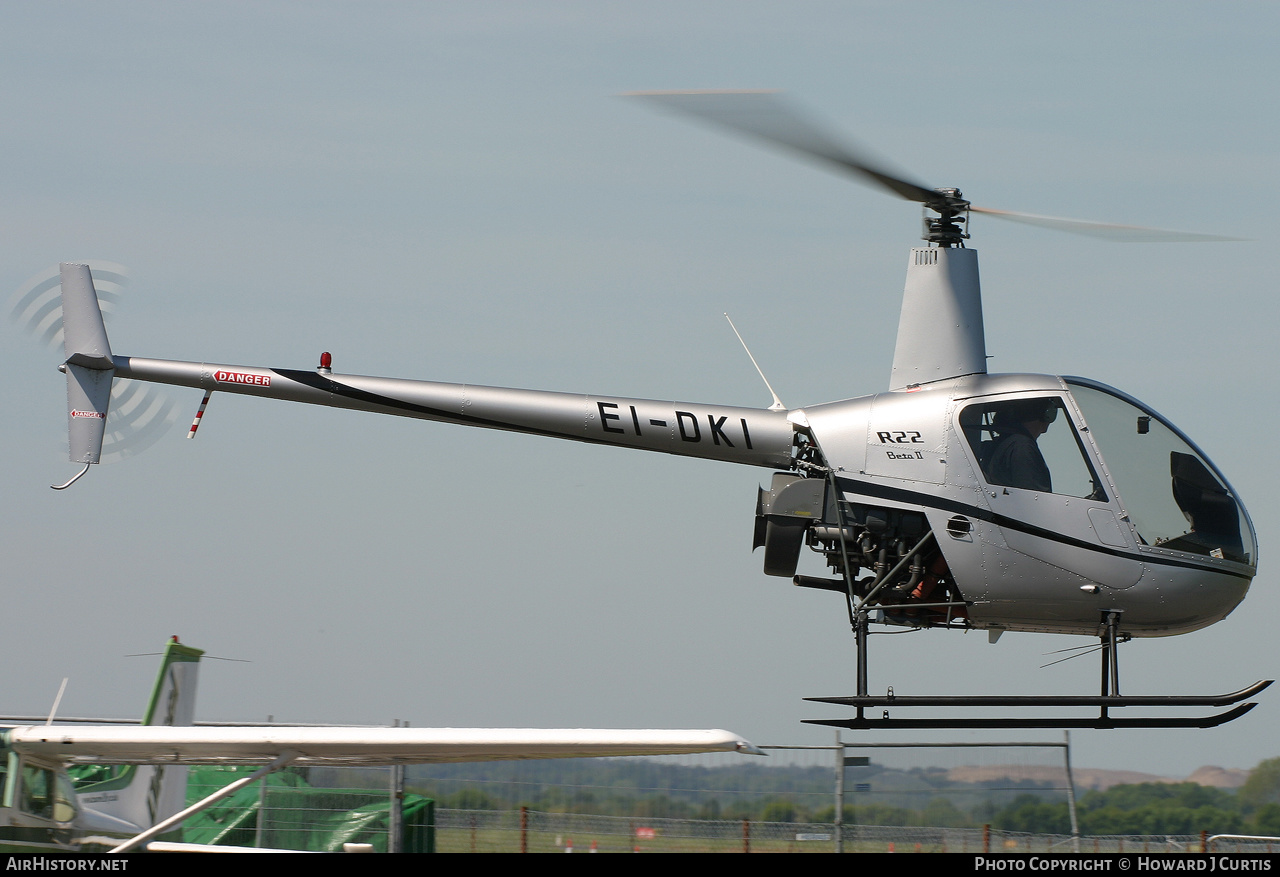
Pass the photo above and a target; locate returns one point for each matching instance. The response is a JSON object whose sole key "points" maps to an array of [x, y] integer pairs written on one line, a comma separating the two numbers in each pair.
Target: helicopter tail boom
{"points": [[752, 436]]}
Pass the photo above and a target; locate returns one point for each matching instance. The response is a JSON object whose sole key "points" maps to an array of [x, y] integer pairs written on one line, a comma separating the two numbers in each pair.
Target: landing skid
{"points": [[1109, 699], [1103, 703]]}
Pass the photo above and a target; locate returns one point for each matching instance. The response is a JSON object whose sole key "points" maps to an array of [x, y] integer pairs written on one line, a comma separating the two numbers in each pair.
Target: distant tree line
{"points": [[918, 797], [1159, 808]]}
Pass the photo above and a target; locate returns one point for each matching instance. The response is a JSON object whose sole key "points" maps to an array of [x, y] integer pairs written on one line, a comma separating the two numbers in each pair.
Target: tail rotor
{"points": [[108, 419]]}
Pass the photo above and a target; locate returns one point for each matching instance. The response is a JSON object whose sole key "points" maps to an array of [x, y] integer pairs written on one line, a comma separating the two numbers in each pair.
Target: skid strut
{"points": [[1109, 698]]}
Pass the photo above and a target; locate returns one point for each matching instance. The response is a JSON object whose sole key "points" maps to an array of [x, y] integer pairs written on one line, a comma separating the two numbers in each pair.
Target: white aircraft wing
{"points": [[108, 744]]}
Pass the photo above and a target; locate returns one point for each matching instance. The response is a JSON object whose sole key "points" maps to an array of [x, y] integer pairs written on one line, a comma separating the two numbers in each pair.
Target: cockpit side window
{"points": [[1030, 444], [64, 798], [47, 794], [37, 791]]}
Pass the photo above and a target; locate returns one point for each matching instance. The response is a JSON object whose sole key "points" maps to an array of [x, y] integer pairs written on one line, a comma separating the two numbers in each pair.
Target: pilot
{"points": [[1016, 460]]}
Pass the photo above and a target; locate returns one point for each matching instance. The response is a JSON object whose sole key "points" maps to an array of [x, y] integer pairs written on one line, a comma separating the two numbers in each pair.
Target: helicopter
{"points": [[955, 499]]}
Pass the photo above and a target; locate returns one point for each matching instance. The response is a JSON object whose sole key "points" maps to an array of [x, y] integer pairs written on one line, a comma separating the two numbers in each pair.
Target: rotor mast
{"points": [[940, 328]]}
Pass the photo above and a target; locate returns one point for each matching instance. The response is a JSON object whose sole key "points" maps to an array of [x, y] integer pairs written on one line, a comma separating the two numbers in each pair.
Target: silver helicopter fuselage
{"points": [[1109, 536]]}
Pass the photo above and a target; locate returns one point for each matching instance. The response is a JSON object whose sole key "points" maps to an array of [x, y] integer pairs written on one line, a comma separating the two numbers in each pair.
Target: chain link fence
{"points": [[687, 804], [488, 831], [283, 812]]}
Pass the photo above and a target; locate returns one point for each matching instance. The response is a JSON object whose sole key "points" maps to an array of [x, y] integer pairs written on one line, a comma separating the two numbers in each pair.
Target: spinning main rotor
{"points": [[765, 116]]}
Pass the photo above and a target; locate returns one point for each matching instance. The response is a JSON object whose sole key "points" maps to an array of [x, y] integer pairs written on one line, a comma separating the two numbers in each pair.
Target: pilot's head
{"points": [[1033, 415]]}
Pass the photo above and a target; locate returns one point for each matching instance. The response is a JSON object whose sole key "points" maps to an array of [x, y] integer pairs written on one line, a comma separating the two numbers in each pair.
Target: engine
{"points": [[886, 556]]}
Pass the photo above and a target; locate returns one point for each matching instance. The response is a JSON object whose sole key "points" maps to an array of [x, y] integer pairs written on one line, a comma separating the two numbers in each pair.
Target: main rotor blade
{"points": [[765, 116], [1133, 234]]}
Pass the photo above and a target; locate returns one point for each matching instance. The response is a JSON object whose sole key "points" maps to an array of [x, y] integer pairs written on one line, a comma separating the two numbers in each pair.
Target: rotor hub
{"points": [[950, 227]]}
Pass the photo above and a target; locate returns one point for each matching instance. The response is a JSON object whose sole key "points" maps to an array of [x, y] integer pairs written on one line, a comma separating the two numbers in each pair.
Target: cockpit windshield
{"points": [[1172, 494]]}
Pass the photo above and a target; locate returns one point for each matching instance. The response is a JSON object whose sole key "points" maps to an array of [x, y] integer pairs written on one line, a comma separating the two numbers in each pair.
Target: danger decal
{"points": [[226, 377]]}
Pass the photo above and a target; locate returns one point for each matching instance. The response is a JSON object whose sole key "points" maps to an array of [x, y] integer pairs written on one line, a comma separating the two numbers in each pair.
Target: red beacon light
{"points": [[326, 362]]}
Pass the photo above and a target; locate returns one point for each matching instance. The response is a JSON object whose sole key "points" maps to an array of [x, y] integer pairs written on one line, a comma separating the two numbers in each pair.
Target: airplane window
{"points": [[1172, 494], [1030, 444], [64, 799], [36, 784], [47, 794]]}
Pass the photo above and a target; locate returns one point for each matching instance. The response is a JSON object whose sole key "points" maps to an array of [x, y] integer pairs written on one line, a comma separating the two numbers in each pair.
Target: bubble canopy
{"points": [[1175, 498]]}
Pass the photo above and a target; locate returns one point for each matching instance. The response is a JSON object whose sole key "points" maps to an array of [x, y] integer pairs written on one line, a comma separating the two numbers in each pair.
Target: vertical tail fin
{"points": [[88, 365], [173, 699], [139, 797]]}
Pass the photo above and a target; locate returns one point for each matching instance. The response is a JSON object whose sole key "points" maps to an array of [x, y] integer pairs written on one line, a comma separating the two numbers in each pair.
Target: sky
{"points": [[457, 192]]}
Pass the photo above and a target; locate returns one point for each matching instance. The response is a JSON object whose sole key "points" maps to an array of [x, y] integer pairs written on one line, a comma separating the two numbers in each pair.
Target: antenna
{"points": [[777, 403], [57, 700]]}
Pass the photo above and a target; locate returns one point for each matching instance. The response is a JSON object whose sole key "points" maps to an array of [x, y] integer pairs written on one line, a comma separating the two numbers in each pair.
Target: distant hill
{"points": [[1093, 778]]}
